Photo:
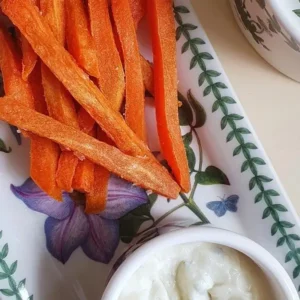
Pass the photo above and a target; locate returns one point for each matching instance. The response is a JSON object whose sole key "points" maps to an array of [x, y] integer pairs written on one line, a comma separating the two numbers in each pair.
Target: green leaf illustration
{"points": [[185, 47], [221, 85], [281, 241], [286, 224], [211, 175], [188, 26], [4, 251], [207, 91], [272, 193], [187, 138], [7, 292], [201, 79], [131, 223], [205, 55], [236, 117], [228, 100], [259, 197], [181, 9], [197, 41], [216, 92], [265, 178], [200, 114], [230, 136], [212, 73], [21, 284], [224, 122], [279, 207], [178, 33], [12, 283], [13, 267], [289, 256], [274, 229], [185, 111], [296, 272], [250, 146], [294, 237], [266, 212], [297, 12], [3, 276], [237, 150], [258, 161], [191, 158]]}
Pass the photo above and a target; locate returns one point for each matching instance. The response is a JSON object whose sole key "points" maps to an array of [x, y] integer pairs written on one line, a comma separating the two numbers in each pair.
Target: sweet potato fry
{"points": [[59, 102], [83, 180], [29, 58], [142, 171], [44, 155], [11, 68], [54, 14], [79, 40], [135, 102], [147, 75], [66, 170], [85, 121], [96, 199], [162, 26], [138, 10], [111, 75], [27, 18]]}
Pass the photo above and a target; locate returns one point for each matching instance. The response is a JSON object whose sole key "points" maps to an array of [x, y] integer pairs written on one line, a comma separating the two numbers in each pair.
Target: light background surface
{"points": [[271, 100]]}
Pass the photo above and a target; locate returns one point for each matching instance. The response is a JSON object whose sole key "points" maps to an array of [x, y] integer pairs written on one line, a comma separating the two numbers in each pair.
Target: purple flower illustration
{"points": [[68, 227]]}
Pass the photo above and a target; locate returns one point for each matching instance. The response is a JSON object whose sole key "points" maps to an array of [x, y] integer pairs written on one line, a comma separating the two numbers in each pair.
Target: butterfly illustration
{"points": [[221, 207]]}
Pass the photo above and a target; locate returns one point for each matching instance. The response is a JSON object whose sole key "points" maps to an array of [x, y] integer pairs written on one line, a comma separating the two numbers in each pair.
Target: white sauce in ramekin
{"points": [[198, 271]]}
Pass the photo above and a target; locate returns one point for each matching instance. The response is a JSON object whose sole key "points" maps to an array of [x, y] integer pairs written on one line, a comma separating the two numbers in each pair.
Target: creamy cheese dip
{"points": [[198, 271]]}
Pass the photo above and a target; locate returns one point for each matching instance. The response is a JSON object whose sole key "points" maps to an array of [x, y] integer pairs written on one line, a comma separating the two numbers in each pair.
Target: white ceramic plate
{"points": [[64, 254]]}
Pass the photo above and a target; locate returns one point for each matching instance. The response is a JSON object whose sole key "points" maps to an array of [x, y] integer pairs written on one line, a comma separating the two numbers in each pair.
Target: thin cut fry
{"points": [[11, 68], [66, 170], [85, 121], [59, 102], [111, 75], [165, 81], [96, 200], [135, 101], [142, 171], [80, 42], [27, 18], [29, 58], [147, 75], [54, 14], [83, 180], [44, 153]]}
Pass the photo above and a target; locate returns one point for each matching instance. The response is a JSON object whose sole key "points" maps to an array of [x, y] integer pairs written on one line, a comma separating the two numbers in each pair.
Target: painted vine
{"points": [[237, 133], [7, 272]]}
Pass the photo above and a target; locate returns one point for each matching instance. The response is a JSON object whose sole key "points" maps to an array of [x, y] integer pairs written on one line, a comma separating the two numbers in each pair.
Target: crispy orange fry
{"points": [[96, 199], [27, 18], [11, 68], [138, 10], [147, 75], [86, 122], [44, 155], [83, 180], [29, 58], [59, 102], [80, 42], [135, 101], [66, 170], [111, 76], [54, 14], [142, 171], [162, 26]]}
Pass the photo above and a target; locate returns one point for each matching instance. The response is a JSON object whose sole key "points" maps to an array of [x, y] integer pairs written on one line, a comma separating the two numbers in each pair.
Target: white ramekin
{"points": [[273, 28], [279, 279]]}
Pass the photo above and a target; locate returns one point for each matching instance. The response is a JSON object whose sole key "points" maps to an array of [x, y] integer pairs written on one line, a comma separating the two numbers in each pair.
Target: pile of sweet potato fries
{"points": [[66, 76]]}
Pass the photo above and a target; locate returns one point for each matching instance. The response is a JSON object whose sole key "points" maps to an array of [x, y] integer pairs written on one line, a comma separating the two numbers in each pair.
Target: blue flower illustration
{"points": [[68, 227]]}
